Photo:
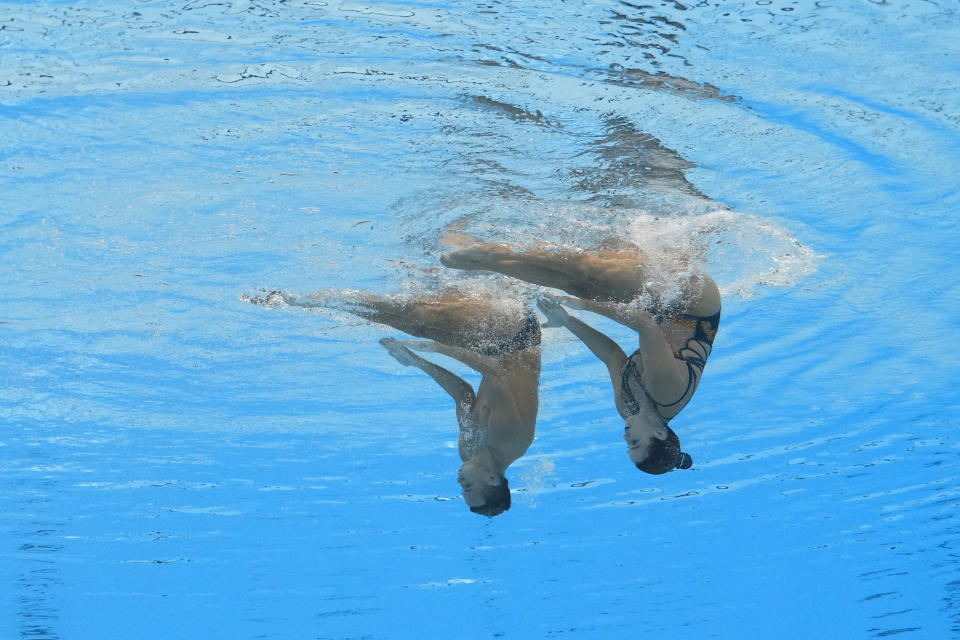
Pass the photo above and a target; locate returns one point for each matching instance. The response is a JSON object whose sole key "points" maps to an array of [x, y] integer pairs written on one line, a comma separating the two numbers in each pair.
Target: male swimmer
{"points": [[497, 420]]}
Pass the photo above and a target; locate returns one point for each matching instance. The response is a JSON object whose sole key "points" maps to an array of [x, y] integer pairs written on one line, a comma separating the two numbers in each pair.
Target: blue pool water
{"points": [[176, 462]]}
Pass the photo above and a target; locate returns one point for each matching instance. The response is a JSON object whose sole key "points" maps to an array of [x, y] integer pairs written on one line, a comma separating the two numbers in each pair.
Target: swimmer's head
{"points": [[496, 499], [654, 447], [485, 492]]}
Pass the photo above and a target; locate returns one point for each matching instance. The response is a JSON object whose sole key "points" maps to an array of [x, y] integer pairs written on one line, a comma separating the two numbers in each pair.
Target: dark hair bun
{"points": [[685, 461]]}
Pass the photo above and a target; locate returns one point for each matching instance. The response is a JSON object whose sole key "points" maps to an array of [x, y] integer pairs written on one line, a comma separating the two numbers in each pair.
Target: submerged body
{"points": [[497, 421], [693, 354], [654, 383]]}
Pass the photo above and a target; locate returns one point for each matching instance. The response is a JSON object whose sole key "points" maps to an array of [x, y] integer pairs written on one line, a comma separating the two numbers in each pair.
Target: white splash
{"points": [[740, 251]]}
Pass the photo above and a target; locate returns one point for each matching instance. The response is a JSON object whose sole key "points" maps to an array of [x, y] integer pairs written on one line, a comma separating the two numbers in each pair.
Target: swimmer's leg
{"points": [[453, 320], [605, 276], [613, 276]]}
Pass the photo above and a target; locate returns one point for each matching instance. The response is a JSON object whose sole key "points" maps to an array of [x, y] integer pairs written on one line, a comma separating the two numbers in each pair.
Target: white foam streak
{"points": [[740, 251]]}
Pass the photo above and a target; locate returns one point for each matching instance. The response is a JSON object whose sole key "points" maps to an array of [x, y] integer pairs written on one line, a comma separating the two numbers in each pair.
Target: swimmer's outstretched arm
{"points": [[476, 361], [628, 315], [608, 351], [665, 377], [459, 389]]}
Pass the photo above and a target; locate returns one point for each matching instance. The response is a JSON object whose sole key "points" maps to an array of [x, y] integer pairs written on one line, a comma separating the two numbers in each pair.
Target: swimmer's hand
{"points": [[556, 315], [400, 353], [457, 240]]}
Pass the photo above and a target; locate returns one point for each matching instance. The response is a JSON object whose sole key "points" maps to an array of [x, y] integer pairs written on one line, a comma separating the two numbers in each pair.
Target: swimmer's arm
{"points": [[608, 351], [477, 361], [665, 377], [629, 316], [459, 389]]}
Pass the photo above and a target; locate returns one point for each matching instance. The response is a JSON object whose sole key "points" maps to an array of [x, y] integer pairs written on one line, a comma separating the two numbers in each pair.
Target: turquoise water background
{"points": [[176, 462]]}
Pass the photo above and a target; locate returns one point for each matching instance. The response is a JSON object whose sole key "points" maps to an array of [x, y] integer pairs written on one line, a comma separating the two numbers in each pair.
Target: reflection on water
{"points": [[628, 162], [660, 81]]}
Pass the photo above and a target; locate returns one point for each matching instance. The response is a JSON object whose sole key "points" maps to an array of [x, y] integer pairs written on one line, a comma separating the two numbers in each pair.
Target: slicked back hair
{"points": [[496, 499]]}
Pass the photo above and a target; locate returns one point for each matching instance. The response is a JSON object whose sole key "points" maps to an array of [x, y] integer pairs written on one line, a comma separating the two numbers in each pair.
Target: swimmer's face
{"points": [[474, 481], [640, 435]]}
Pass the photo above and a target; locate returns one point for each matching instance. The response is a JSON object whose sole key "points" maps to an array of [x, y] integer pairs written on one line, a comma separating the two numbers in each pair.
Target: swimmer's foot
{"points": [[271, 298], [458, 240], [334, 296], [353, 301], [400, 353]]}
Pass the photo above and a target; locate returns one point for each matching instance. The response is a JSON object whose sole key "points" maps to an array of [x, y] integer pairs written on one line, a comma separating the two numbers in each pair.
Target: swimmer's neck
{"points": [[490, 459]]}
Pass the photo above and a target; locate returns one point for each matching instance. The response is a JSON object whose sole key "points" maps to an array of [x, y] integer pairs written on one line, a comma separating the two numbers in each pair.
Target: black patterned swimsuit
{"points": [[693, 353], [528, 336]]}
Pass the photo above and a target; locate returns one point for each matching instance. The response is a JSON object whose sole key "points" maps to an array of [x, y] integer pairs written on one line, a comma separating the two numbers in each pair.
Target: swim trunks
{"points": [[528, 336]]}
